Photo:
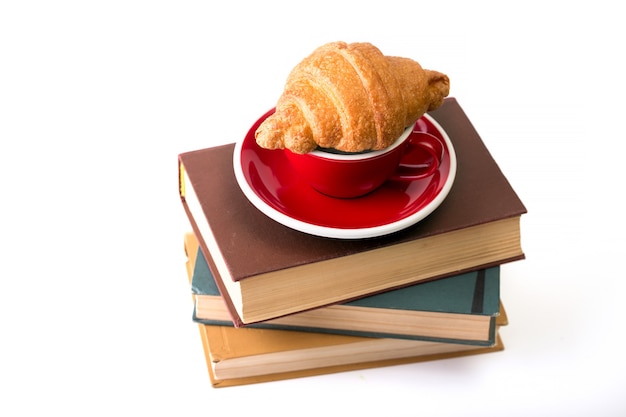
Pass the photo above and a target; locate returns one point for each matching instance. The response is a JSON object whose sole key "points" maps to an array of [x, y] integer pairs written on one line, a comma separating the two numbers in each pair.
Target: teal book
{"points": [[458, 309]]}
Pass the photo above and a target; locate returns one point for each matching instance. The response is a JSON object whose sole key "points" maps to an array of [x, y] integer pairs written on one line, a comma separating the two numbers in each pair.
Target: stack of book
{"points": [[273, 303]]}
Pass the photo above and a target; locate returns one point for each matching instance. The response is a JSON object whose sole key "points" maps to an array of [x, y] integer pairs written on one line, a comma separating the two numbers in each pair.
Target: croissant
{"points": [[352, 98]]}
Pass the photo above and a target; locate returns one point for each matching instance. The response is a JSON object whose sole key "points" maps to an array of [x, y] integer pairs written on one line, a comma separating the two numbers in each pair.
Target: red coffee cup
{"points": [[414, 155]]}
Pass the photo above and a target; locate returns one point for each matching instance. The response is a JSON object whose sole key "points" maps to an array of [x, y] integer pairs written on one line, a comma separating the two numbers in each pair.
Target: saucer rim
{"points": [[348, 233]]}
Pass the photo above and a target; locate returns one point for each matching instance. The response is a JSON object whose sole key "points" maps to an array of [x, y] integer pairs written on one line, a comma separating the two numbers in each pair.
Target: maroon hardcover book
{"points": [[267, 270]]}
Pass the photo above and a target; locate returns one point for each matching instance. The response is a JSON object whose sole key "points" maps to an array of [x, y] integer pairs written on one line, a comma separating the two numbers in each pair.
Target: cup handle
{"points": [[421, 158]]}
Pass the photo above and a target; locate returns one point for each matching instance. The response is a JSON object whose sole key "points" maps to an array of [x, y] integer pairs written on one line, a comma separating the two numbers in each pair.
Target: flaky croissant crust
{"points": [[352, 98]]}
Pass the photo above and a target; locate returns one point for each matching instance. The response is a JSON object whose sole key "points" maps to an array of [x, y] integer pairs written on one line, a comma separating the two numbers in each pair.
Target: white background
{"points": [[98, 98]]}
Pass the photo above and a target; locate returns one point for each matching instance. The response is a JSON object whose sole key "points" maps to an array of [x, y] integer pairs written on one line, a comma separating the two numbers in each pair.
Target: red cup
{"points": [[414, 155]]}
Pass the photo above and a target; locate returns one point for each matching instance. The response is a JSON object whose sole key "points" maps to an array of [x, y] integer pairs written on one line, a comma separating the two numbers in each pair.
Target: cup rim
{"points": [[364, 155]]}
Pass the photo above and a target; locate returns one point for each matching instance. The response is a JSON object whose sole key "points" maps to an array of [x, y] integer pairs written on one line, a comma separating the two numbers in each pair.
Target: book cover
{"points": [[267, 270], [237, 356], [242, 356], [459, 309]]}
